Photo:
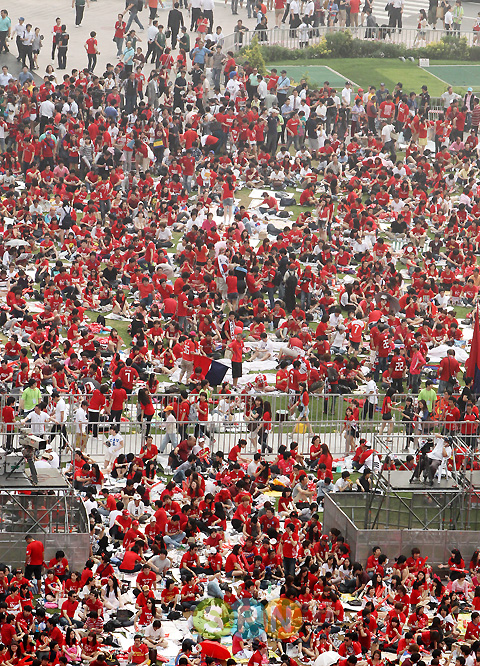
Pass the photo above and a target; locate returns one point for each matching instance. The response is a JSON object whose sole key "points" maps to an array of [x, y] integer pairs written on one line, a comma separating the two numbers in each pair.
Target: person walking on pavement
{"points": [[62, 47], [208, 13], [56, 30], [27, 46], [134, 6], [457, 16], [175, 22], [152, 31], [5, 30], [91, 47], [79, 10], [396, 11], [195, 11], [18, 34]]}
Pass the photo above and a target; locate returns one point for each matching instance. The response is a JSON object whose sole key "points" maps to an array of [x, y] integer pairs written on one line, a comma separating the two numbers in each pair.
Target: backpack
{"points": [[277, 280], [332, 373], [290, 280]]}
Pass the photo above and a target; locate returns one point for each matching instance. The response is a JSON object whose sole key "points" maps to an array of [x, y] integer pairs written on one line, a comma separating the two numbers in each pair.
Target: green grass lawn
{"points": [[372, 71]]}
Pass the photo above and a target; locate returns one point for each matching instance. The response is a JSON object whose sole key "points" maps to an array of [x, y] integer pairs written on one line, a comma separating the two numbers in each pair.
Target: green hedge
{"points": [[343, 45]]}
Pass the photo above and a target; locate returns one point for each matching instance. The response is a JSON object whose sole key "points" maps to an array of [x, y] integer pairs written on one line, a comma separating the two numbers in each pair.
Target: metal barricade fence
{"points": [[326, 418], [291, 39], [221, 435]]}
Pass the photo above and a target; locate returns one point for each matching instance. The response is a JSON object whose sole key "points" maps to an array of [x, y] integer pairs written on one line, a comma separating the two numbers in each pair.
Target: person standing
{"points": [[152, 31], [208, 13], [34, 560], [79, 10], [127, 57], [62, 48], [195, 11], [283, 87], [56, 30], [60, 420], [91, 47], [175, 22], [5, 30], [236, 347], [18, 35], [120, 26], [396, 11], [457, 16], [27, 46]]}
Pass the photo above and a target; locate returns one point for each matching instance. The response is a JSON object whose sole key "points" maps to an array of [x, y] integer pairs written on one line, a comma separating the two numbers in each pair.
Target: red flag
{"points": [[472, 365]]}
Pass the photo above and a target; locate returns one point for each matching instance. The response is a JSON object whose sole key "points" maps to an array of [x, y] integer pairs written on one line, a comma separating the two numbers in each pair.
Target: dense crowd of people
{"points": [[179, 248]]}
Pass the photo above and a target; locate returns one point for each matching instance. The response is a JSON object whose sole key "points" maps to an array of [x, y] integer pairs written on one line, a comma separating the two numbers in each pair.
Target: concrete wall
{"points": [[437, 544]]}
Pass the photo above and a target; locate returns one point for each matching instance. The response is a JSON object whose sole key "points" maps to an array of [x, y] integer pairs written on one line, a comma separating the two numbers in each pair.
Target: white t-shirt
{"points": [[372, 392], [387, 133], [60, 408], [81, 421]]}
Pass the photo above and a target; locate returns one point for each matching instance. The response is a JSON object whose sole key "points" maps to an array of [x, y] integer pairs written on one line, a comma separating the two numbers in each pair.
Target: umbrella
{"points": [[17, 242], [327, 658], [393, 303], [215, 650]]}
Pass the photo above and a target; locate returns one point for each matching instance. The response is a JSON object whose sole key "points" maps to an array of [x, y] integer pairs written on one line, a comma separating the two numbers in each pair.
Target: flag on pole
{"points": [[472, 365]]}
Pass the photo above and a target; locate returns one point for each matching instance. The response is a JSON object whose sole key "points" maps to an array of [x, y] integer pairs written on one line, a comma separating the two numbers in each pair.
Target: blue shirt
{"points": [[199, 54], [5, 23], [128, 56]]}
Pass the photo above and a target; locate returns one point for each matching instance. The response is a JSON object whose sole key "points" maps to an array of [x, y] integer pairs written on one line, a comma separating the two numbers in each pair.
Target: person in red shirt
{"points": [[398, 367], [138, 652], [236, 347], [92, 51], [8, 417], [128, 376], [447, 371], [97, 402], [34, 560], [289, 547]]}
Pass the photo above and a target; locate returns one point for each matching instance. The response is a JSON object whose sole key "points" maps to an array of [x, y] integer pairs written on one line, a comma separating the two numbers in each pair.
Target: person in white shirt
{"points": [[261, 88], [264, 349], [154, 635], [136, 508], [27, 46], [371, 392], [343, 483], [442, 450], [51, 457], [114, 445], [347, 93], [305, 108], [387, 130], [38, 418], [152, 32], [81, 424], [60, 419], [170, 430], [5, 76], [18, 33]]}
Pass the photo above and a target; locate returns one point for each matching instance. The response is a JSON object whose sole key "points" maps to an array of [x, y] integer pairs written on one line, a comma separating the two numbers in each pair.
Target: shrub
{"points": [[339, 44], [448, 48], [253, 53], [319, 50]]}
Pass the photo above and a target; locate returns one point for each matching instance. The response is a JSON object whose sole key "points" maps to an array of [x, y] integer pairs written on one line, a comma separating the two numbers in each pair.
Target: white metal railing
{"points": [[291, 39]]}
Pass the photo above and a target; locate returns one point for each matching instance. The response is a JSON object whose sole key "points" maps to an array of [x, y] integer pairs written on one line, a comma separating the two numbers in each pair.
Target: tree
{"points": [[253, 54]]}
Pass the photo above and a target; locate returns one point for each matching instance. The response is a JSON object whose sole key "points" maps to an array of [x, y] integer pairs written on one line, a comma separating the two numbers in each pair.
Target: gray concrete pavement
{"points": [[102, 14]]}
